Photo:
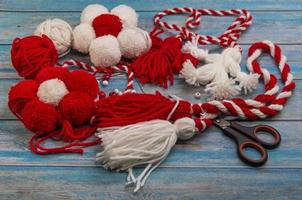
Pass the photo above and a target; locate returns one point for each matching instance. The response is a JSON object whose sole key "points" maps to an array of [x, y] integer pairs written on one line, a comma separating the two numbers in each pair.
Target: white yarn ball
{"points": [[59, 31], [105, 51], [52, 91], [91, 12], [83, 34], [134, 42], [127, 14], [185, 128]]}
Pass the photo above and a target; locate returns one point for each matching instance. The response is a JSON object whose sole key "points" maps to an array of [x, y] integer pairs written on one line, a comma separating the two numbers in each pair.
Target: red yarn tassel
{"points": [[132, 108]]}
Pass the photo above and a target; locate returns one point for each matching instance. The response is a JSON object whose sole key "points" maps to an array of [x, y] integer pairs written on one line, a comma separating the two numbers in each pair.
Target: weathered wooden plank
{"points": [[209, 149], [168, 183], [293, 53], [21, 24], [78, 5]]}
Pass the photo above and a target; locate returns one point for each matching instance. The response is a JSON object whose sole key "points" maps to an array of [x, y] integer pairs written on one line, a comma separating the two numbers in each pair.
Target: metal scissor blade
{"points": [[221, 123]]}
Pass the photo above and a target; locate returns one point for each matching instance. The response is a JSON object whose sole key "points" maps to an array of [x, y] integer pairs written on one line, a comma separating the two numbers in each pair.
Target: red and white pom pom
{"points": [[99, 26]]}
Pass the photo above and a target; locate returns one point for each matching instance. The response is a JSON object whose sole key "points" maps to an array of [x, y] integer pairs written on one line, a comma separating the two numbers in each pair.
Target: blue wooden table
{"points": [[205, 167]]}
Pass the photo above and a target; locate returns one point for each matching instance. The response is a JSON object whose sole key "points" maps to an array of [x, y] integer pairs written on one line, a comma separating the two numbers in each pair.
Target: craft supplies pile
{"points": [[58, 102]]}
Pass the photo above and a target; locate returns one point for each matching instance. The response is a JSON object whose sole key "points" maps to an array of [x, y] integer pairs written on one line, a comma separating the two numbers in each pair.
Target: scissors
{"points": [[246, 137]]}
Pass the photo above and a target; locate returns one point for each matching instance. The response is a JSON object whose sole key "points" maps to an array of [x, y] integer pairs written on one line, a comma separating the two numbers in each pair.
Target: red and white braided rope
{"points": [[228, 38], [108, 71], [263, 105]]}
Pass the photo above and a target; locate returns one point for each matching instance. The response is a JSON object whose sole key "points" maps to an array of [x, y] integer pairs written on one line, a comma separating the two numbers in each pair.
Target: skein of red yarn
{"points": [[77, 108], [20, 94], [107, 24], [30, 54], [132, 108], [82, 81]]}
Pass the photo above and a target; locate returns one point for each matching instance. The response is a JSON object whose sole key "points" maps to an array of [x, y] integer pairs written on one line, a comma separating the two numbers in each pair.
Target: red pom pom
{"points": [[180, 59], [22, 93], [77, 108], [40, 117], [82, 81], [107, 24], [30, 54], [51, 73]]}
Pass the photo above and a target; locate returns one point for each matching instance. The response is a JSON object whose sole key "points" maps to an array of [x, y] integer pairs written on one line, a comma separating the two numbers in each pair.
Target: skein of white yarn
{"points": [[59, 31], [134, 42]]}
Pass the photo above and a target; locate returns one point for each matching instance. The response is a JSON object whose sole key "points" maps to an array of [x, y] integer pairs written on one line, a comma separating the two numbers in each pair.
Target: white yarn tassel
{"points": [[146, 143], [232, 59], [191, 47]]}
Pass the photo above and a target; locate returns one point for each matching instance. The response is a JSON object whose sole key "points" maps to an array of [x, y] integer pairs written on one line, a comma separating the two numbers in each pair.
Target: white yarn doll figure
{"points": [[213, 75]]}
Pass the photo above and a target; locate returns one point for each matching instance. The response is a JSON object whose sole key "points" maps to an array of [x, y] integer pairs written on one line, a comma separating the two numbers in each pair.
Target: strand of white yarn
{"points": [[215, 73]]}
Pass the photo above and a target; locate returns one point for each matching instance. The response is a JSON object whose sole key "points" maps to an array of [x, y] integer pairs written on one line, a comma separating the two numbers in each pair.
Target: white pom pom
{"points": [[83, 34], [127, 14], [52, 91], [91, 12], [105, 51], [248, 82], [185, 128], [59, 31], [134, 42]]}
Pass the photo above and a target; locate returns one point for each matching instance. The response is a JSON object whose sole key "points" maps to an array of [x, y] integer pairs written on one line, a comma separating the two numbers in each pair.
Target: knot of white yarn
{"points": [[59, 31], [191, 47]]}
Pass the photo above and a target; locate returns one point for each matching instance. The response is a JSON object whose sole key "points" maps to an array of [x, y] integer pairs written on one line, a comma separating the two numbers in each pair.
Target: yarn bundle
{"points": [[53, 102], [109, 36]]}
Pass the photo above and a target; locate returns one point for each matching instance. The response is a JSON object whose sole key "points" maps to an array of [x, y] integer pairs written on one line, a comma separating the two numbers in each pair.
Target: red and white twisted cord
{"points": [[108, 71], [263, 105], [228, 38]]}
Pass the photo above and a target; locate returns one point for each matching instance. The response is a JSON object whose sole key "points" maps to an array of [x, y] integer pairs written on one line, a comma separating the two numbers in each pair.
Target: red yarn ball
{"points": [[77, 108], [51, 73], [40, 117], [107, 24], [30, 54], [22, 93], [82, 81]]}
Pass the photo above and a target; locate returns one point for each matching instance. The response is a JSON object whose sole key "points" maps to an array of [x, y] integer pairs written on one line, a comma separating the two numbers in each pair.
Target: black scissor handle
{"points": [[252, 133], [255, 146], [269, 130], [244, 142]]}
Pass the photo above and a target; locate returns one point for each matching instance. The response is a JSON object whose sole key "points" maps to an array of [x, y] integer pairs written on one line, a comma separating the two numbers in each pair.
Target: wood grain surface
{"points": [[205, 167]]}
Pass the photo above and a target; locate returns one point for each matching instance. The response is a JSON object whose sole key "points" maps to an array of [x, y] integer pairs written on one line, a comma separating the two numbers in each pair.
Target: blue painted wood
{"points": [[21, 24], [84, 183], [142, 5], [205, 167], [208, 149]]}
